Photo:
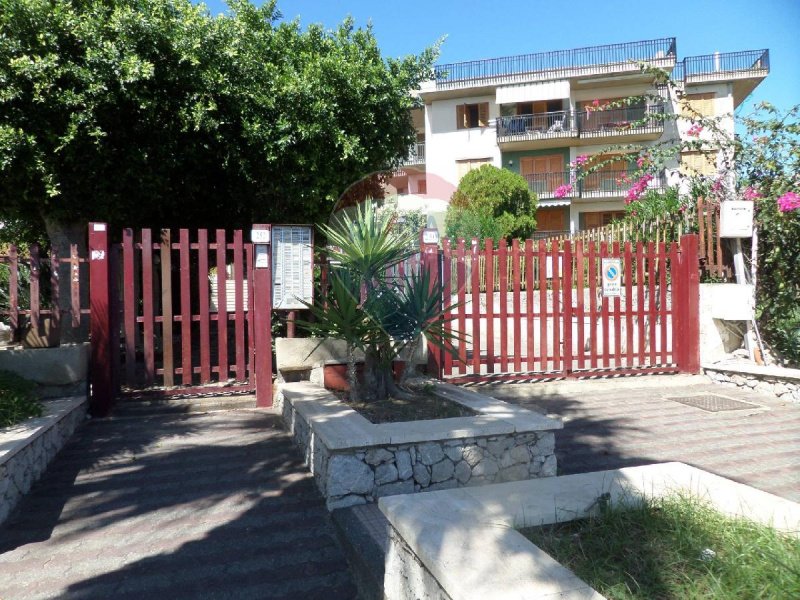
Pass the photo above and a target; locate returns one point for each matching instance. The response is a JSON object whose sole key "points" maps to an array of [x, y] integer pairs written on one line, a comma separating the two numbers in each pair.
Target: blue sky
{"points": [[481, 29]]}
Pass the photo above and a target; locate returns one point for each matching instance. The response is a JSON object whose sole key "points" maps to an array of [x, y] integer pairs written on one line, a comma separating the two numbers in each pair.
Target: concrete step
{"points": [[363, 534], [182, 404]]}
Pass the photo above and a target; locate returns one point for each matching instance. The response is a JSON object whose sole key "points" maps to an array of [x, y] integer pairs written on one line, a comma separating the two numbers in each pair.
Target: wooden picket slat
{"points": [[461, 283], [148, 310], [238, 277], [13, 288], [129, 305], [604, 314], [448, 291], [502, 267], [55, 315], [593, 314], [651, 291], [75, 284], [186, 307], [475, 274], [555, 257], [543, 310], [617, 316], [674, 262], [629, 309], [579, 279], [567, 306], [640, 308], [662, 304], [529, 312], [223, 368], [204, 298], [517, 304], [167, 318], [35, 270], [489, 270]]}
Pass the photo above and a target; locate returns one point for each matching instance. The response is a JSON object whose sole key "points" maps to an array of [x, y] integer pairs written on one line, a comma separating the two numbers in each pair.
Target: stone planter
{"points": [[354, 461]]}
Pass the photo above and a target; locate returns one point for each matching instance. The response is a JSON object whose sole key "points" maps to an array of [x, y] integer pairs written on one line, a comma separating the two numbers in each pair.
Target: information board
{"points": [[736, 219], [612, 277], [292, 266]]}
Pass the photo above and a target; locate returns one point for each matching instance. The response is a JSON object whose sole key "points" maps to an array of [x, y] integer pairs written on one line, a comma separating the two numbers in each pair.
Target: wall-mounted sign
{"points": [[736, 219], [612, 277], [430, 236], [259, 236], [292, 266]]}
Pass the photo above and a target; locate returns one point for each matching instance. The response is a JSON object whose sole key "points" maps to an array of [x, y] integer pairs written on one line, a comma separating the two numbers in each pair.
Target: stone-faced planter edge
{"points": [[354, 461]]}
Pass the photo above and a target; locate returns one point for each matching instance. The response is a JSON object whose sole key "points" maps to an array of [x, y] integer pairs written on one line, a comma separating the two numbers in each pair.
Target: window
{"points": [[698, 163], [590, 220], [422, 186], [469, 116], [465, 166], [699, 104]]}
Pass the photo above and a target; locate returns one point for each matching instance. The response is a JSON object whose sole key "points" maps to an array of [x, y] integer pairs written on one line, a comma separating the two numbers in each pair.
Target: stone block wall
{"points": [[784, 389], [361, 475], [21, 467]]}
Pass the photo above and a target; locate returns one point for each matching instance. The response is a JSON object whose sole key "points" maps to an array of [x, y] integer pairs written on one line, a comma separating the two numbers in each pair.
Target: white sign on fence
{"points": [[612, 277], [292, 266], [736, 219]]}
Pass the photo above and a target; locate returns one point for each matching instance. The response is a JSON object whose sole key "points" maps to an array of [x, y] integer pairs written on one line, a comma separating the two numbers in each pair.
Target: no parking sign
{"points": [[612, 277]]}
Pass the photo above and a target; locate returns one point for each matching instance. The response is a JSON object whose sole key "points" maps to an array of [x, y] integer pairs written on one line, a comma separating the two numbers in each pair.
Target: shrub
{"points": [[17, 399], [491, 202]]}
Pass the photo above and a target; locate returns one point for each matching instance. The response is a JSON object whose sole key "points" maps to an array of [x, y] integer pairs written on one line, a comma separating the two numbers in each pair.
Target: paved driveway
{"points": [[625, 422], [213, 505]]}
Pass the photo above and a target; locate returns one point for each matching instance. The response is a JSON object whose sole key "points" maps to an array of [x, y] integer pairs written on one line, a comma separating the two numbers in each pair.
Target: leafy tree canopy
{"points": [[153, 112], [491, 202]]}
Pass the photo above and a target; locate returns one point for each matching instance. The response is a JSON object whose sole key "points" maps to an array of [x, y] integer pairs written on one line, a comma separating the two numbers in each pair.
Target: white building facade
{"points": [[535, 114]]}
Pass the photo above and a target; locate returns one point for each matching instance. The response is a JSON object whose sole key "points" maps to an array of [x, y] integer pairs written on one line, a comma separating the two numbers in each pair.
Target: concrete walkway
{"points": [[632, 421], [214, 505]]}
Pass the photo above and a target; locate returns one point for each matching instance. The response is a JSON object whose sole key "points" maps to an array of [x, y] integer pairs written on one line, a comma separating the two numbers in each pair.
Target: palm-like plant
{"points": [[372, 310]]}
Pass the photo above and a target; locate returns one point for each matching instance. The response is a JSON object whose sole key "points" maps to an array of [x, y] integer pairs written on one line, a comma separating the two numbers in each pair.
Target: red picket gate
{"points": [[176, 315], [534, 311]]}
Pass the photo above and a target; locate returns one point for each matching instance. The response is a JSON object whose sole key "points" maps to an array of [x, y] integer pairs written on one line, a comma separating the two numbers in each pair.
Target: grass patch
{"points": [[676, 547], [17, 399]]}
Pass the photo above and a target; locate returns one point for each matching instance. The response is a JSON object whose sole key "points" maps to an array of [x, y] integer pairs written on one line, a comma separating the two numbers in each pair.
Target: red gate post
{"points": [[100, 305], [690, 303], [429, 246], [262, 313]]}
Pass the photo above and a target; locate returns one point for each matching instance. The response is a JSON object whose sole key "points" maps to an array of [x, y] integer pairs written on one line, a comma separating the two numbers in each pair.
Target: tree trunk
{"points": [[376, 378], [61, 236]]}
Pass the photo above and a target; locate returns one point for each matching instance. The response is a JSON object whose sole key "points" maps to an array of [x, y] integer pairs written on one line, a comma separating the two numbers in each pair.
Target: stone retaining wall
{"points": [[357, 469], [783, 388], [26, 450]]}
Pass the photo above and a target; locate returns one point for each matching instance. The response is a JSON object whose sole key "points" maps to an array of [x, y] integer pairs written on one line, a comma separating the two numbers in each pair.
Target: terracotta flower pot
{"points": [[335, 374]]}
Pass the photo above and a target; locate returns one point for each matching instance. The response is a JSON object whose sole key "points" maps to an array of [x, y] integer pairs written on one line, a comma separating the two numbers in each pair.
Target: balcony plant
{"points": [[371, 309]]}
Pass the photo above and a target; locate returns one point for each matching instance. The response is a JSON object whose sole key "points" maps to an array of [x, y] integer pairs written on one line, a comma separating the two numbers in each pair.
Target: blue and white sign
{"points": [[612, 277]]}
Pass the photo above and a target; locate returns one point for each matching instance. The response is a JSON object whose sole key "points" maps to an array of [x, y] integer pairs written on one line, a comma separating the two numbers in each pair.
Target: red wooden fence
{"points": [[24, 297], [548, 317]]}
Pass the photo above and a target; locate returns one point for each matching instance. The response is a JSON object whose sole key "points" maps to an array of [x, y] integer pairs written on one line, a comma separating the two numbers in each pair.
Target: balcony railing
{"points": [[599, 184], [416, 155], [557, 63], [587, 123], [630, 119], [721, 65], [545, 184]]}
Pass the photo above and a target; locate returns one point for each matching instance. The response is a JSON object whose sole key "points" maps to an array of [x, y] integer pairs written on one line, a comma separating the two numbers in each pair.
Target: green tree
{"points": [[153, 112], [491, 202]]}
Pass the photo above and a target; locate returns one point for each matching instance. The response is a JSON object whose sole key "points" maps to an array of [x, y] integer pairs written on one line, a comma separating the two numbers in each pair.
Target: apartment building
{"points": [[536, 113]]}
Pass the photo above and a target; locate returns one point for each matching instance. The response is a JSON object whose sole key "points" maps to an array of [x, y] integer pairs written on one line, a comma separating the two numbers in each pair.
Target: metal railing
{"points": [[600, 184], [549, 124], [545, 184], [719, 65], [590, 122], [416, 155], [629, 119], [557, 63]]}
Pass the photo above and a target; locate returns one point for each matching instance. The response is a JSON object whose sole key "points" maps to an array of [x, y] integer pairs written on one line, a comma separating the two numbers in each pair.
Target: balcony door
{"points": [[544, 173]]}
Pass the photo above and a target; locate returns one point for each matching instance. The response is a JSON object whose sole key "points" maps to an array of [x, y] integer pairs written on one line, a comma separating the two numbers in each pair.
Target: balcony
{"points": [[726, 66], [593, 60], [600, 184], [416, 155], [636, 123], [612, 184]]}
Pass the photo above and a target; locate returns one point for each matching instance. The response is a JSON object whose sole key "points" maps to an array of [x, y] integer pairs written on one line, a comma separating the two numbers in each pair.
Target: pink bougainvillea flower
{"points": [[695, 130], [582, 160], [788, 202], [642, 161], [562, 190], [750, 193], [638, 188], [595, 102]]}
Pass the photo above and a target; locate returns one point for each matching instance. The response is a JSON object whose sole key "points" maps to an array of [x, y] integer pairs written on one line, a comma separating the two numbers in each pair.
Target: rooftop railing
{"points": [[718, 65], [558, 62]]}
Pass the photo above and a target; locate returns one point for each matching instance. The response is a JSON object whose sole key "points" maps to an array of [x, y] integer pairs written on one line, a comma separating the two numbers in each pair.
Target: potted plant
{"points": [[371, 310]]}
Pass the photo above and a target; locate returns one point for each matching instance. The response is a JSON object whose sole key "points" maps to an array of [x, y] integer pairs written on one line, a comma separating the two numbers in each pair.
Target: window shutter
{"points": [[483, 114], [461, 116]]}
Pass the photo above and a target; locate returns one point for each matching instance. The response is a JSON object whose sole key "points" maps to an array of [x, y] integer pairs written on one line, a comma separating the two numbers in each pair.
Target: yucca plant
{"points": [[369, 308]]}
